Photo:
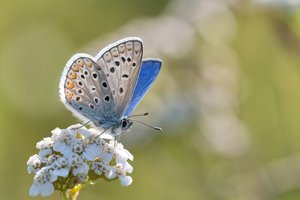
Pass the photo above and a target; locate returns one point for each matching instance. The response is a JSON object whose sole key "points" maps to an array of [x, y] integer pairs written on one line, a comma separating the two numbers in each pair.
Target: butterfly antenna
{"points": [[154, 127], [144, 114]]}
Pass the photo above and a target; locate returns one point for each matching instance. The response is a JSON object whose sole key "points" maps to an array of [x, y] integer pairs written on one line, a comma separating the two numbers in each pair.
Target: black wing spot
{"points": [[106, 98], [128, 59], [95, 75], [80, 108], [80, 83], [82, 76], [96, 100], [117, 63], [79, 91], [93, 88], [104, 84], [107, 75], [123, 59], [133, 64], [125, 76], [112, 69], [121, 90], [92, 106], [86, 72], [78, 98]]}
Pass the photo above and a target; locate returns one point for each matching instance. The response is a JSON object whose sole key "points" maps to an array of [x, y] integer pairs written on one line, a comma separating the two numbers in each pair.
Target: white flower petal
{"points": [[92, 151], [53, 177], [45, 152], [34, 190], [128, 154], [125, 180], [56, 131], [128, 168], [61, 172], [85, 132], [46, 189], [60, 147], [106, 157], [83, 169]]}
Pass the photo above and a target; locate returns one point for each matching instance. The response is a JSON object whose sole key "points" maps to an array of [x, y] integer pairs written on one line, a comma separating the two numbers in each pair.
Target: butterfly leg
{"points": [[82, 125], [101, 133]]}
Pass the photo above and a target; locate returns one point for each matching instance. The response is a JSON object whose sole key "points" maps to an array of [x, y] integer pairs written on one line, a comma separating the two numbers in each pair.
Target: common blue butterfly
{"points": [[105, 89]]}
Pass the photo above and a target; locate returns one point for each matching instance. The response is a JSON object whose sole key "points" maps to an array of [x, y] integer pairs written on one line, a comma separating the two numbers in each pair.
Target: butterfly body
{"points": [[106, 88]]}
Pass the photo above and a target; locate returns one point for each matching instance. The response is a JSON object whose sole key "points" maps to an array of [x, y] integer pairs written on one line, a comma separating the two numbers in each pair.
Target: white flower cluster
{"points": [[75, 156]]}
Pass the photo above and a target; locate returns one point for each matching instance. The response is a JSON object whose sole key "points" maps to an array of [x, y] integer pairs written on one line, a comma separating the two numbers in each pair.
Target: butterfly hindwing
{"points": [[85, 90], [149, 71], [121, 63]]}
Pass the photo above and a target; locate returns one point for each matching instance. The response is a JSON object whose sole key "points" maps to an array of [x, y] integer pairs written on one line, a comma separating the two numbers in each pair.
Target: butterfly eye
{"points": [[124, 123]]}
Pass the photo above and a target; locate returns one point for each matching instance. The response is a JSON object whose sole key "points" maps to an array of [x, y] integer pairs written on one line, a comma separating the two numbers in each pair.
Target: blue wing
{"points": [[149, 71]]}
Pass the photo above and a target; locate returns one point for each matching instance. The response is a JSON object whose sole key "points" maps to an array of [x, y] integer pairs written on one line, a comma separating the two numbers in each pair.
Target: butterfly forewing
{"points": [[121, 64], [87, 91]]}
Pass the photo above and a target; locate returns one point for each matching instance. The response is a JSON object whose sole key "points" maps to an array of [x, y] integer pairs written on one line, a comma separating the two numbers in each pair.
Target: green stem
{"points": [[65, 195], [73, 193]]}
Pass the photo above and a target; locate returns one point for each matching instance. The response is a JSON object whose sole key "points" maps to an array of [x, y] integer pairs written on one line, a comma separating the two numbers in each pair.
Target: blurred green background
{"points": [[227, 96]]}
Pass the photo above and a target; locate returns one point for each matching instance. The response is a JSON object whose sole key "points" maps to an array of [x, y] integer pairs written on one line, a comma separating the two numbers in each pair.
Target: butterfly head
{"points": [[125, 124]]}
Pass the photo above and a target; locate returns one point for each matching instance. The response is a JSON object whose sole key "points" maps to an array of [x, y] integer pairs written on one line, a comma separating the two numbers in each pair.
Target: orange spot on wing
{"points": [[88, 62], [79, 62], [69, 95], [72, 75], [70, 85], [75, 68]]}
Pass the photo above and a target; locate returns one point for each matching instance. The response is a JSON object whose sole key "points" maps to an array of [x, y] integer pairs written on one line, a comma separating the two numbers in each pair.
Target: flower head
{"points": [[75, 156]]}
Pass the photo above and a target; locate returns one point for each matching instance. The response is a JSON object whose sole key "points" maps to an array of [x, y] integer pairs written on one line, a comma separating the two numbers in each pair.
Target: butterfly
{"points": [[105, 89]]}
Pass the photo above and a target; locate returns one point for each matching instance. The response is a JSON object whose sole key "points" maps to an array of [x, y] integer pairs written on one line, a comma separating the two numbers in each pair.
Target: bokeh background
{"points": [[228, 95]]}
